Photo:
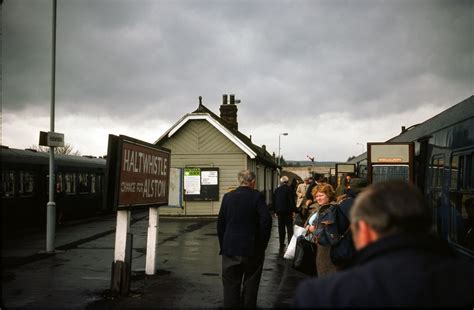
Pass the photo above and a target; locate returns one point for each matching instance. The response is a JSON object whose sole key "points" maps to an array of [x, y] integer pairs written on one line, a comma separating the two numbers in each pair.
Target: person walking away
{"points": [[243, 227], [399, 263], [284, 206]]}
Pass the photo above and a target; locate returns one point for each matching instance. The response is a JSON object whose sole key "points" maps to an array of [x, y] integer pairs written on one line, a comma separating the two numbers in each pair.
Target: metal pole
{"points": [[279, 148], [279, 136], [51, 206]]}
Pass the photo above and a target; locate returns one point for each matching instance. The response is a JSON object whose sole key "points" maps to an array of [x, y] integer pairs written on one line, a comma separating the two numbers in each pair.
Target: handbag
{"points": [[342, 252], [290, 250], [305, 256]]}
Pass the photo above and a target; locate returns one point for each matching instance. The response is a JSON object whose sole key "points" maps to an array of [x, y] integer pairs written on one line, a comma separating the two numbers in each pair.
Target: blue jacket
{"points": [[403, 270], [244, 223], [284, 200]]}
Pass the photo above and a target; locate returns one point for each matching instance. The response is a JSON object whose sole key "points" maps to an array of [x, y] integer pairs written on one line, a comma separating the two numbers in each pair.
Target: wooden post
{"points": [[122, 260], [152, 241]]}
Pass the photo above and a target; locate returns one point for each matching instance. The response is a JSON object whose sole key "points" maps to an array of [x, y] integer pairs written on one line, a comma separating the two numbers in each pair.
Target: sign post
{"points": [[138, 175]]}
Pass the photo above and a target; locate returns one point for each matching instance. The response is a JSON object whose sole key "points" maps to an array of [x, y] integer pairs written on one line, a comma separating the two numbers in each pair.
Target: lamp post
{"points": [[279, 148], [51, 205]]}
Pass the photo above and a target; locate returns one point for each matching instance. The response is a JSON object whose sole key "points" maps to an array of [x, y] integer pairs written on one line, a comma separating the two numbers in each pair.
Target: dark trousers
{"points": [[234, 270], [285, 226]]}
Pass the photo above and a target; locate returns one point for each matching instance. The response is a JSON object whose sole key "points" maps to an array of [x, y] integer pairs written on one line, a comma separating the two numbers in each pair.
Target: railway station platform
{"points": [[78, 276]]}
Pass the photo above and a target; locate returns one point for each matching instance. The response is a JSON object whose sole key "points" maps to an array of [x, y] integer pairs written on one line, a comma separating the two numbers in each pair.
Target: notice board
{"points": [[201, 184]]}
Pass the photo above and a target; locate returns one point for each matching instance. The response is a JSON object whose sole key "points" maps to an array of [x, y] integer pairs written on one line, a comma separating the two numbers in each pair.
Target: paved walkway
{"points": [[78, 276]]}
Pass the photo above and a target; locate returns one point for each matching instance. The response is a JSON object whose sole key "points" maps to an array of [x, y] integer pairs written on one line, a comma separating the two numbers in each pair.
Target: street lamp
{"points": [[279, 148]]}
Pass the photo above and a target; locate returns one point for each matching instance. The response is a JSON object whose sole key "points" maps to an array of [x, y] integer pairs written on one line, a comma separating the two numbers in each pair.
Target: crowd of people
{"points": [[373, 245]]}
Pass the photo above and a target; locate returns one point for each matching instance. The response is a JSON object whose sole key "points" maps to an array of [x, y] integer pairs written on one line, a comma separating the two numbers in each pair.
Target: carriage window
{"points": [[469, 171], [98, 183], [461, 197], [83, 183], [26, 183], [59, 183], [8, 184], [456, 171], [436, 168], [70, 180], [92, 183]]}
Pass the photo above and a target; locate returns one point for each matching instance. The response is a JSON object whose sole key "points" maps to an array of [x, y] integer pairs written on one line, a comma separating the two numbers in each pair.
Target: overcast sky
{"points": [[333, 74]]}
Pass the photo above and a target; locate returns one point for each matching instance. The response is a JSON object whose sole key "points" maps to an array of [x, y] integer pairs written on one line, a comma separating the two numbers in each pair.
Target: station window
{"points": [[27, 183], [8, 183], [70, 180]]}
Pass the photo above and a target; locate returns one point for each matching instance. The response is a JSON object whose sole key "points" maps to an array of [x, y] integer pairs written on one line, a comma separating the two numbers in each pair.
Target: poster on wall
{"points": [[201, 184], [209, 178], [192, 181]]}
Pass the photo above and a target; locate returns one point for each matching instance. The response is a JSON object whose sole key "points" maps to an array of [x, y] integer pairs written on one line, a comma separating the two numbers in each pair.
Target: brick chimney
{"points": [[229, 111]]}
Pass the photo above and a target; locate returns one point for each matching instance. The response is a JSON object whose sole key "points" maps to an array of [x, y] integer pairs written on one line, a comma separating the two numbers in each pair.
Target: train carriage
{"points": [[443, 169], [25, 182]]}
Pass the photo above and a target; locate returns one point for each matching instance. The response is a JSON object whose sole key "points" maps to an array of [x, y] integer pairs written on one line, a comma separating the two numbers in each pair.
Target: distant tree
{"points": [[67, 149]]}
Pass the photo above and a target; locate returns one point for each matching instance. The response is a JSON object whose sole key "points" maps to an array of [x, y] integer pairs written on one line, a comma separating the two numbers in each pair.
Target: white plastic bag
{"points": [[290, 250]]}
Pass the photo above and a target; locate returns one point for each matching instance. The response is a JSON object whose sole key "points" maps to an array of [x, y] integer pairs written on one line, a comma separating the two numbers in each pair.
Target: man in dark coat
{"points": [[284, 205], [244, 227], [399, 262]]}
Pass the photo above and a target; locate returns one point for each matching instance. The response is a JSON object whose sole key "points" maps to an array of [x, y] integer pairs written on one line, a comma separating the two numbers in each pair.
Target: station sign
{"points": [[54, 139], [389, 153], [138, 173]]}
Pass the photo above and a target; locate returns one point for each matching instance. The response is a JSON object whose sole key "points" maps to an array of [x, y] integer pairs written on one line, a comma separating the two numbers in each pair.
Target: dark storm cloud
{"points": [[135, 58]]}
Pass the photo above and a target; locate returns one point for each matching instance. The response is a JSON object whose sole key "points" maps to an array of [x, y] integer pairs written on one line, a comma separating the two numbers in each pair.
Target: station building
{"points": [[207, 153]]}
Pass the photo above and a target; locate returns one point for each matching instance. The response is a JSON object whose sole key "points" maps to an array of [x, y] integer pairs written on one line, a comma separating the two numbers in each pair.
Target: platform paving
{"points": [[78, 276]]}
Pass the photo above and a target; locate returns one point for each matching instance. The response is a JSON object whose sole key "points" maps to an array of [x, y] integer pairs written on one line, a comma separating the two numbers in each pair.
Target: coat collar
{"points": [[417, 242]]}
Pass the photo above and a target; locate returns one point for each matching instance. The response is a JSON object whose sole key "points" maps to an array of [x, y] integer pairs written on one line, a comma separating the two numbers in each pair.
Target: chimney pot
{"points": [[229, 112], [403, 129]]}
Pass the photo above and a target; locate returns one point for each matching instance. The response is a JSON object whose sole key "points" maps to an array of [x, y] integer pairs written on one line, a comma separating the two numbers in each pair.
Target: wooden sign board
{"points": [[138, 173]]}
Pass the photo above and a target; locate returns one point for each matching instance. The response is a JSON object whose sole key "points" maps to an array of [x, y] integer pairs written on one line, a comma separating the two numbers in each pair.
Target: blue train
{"points": [[442, 166], [79, 190]]}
